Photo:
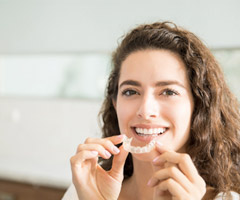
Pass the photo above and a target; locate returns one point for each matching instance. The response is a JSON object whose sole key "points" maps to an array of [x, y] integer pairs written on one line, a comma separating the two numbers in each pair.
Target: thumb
{"points": [[159, 150], [118, 164]]}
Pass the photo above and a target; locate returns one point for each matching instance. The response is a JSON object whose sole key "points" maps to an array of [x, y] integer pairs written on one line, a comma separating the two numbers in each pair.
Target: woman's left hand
{"points": [[176, 176]]}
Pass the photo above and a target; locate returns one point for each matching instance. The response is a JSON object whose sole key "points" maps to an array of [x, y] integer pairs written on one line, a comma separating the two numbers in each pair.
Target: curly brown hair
{"points": [[214, 144]]}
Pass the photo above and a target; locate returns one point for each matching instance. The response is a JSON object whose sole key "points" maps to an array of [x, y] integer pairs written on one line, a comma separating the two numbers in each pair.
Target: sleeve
{"points": [[71, 193], [234, 195]]}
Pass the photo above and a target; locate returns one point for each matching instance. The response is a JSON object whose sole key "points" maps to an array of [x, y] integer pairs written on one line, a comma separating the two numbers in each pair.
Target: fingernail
{"points": [[108, 155], [155, 159], [116, 150], [152, 182], [120, 136], [158, 161], [94, 152], [159, 144], [149, 182]]}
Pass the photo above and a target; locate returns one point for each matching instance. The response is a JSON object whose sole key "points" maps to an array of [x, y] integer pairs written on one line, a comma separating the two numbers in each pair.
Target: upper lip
{"points": [[148, 126]]}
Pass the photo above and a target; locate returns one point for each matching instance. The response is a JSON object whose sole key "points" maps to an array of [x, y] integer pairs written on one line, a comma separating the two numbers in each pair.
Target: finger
{"points": [[161, 148], [82, 156], [118, 164], [94, 147], [116, 139], [159, 163], [81, 164], [174, 188], [184, 162], [108, 143], [172, 172]]}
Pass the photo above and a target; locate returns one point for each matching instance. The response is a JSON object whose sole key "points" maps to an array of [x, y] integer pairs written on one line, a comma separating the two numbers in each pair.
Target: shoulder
{"points": [[233, 195], [71, 193]]}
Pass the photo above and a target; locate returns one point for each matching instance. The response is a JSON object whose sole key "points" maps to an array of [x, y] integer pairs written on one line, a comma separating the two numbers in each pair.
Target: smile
{"points": [[147, 132], [150, 131]]}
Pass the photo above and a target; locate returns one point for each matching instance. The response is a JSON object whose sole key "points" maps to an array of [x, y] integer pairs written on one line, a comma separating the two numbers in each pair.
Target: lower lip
{"points": [[147, 138]]}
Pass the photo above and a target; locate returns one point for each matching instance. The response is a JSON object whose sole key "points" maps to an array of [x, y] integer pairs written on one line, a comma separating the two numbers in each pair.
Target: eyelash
{"points": [[131, 92], [174, 92]]}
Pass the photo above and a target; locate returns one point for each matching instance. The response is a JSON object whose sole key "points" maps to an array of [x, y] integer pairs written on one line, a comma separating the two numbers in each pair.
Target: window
{"points": [[79, 75], [60, 76]]}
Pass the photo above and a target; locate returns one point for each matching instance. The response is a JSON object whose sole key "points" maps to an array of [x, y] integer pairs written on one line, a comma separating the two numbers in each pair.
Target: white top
{"points": [[71, 194]]}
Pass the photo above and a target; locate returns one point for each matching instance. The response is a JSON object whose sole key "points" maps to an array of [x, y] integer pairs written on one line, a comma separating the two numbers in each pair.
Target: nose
{"points": [[148, 108]]}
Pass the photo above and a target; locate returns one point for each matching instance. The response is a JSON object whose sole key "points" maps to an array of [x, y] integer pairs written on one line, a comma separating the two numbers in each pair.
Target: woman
{"points": [[166, 87]]}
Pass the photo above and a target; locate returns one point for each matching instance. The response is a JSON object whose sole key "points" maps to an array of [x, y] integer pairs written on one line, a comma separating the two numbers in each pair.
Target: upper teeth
{"points": [[150, 131]]}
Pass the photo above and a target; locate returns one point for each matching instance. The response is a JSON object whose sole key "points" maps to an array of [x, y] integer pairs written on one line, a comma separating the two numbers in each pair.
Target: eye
{"points": [[129, 92], [169, 92]]}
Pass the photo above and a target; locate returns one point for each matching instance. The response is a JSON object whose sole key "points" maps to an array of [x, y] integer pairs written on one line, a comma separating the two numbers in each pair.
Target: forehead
{"points": [[154, 65]]}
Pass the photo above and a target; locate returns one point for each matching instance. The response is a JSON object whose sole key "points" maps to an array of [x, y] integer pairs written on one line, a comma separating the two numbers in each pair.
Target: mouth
{"points": [[148, 134], [150, 131]]}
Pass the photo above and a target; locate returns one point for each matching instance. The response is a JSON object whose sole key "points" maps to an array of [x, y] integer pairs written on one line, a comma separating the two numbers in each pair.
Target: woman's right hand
{"points": [[90, 179]]}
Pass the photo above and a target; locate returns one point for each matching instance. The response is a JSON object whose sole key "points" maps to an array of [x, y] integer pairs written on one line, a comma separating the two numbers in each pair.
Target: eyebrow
{"points": [[169, 82], [158, 84], [130, 82]]}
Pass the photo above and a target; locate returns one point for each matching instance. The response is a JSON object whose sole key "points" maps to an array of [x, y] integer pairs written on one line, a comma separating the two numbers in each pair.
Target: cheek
{"points": [[125, 112], [180, 114]]}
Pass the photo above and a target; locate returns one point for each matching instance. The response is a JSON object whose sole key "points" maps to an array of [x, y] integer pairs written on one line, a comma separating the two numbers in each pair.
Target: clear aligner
{"points": [[132, 149]]}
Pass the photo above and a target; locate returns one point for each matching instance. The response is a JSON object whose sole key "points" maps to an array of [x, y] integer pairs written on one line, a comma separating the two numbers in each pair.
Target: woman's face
{"points": [[154, 99]]}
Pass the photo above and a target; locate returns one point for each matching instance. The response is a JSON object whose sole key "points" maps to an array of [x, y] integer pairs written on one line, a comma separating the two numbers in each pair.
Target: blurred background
{"points": [[54, 63]]}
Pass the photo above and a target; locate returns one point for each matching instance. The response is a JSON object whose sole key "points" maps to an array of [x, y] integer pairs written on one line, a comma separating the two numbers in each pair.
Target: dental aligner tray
{"points": [[136, 149]]}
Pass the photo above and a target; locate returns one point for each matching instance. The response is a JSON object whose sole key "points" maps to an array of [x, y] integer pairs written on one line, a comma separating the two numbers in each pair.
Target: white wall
{"points": [[95, 25], [37, 136]]}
